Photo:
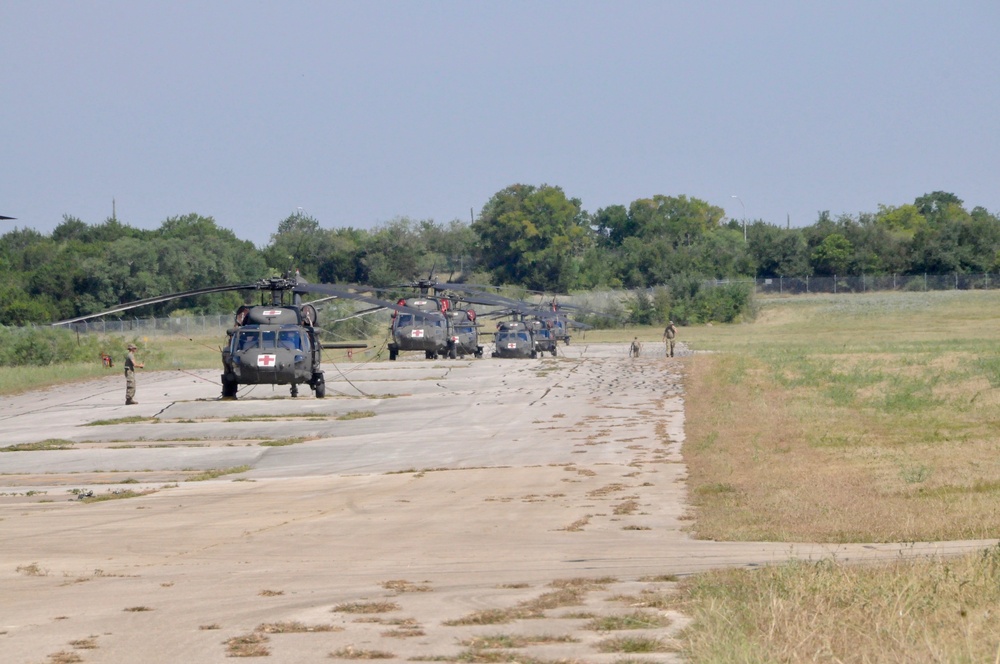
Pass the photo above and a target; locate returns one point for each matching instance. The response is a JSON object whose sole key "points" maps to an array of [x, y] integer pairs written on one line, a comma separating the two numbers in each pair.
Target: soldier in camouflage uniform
{"points": [[670, 338], [130, 367]]}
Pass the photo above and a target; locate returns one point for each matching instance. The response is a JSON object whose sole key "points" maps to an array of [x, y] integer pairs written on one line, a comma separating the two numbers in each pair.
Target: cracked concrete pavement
{"points": [[436, 491]]}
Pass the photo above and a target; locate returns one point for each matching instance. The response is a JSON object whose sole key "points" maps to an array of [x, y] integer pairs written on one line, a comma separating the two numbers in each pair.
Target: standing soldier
{"points": [[634, 349], [670, 337], [130, 366]]}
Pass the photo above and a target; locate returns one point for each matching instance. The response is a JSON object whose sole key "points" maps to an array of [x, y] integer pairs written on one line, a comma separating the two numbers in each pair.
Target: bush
{"points": [[725, 303], [42, 346]]}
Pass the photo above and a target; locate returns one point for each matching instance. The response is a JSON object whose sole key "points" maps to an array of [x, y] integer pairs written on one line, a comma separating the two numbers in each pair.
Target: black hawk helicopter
{"points": [[514, 339], [271, 343], [441, 328], [546, 324]]}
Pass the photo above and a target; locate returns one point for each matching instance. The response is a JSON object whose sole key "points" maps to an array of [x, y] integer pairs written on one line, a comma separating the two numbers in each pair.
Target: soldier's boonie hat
{"points": [[132, 347]]}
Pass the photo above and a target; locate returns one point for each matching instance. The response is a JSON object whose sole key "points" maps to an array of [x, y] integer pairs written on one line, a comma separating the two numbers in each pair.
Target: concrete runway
{"points": [[430, 489]]}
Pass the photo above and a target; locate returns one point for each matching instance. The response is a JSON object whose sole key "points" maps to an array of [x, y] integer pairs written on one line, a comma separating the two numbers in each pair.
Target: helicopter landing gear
{"points": [[553, 351], [295, 389], [229, 386], [430, 355], [319, 385], [393, 352], [452, 353]]}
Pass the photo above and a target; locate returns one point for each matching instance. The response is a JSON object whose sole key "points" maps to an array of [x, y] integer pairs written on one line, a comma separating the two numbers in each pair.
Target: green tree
{"points": [[533, 236], [833, 255]]}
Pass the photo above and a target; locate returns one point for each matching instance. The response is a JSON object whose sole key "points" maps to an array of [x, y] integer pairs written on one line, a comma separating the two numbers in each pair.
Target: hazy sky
{"points": [[359, 112]]}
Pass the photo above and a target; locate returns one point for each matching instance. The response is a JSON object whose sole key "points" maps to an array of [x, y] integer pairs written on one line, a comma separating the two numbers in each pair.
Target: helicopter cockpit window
{"points": [[268, 337], [523, 336], [465, 329], [404, 320], [290, 339], [247, 339]]}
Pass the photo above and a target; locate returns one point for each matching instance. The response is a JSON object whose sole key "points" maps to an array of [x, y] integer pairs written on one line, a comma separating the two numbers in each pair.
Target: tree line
{"points": [[532, 237]]}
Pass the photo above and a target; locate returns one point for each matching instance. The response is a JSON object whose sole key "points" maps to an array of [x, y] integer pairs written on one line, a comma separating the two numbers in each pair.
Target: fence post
{"points": [[834, 284], [925, 282]]}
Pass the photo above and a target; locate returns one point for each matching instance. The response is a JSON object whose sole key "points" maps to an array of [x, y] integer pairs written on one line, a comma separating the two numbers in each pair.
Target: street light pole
{"points": [[744, 216]]}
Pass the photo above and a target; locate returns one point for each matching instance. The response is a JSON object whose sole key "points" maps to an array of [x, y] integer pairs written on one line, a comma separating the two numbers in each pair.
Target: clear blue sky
{"points": [[359, 112]]}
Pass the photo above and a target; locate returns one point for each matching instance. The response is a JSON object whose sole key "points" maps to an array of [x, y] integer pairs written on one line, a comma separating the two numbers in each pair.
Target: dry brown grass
{"points": [[404, 586], [925, 610], [253, 644], [295, 627], [857, 418], [566, 592], [366, 607], [350, 652], [801, 437]]}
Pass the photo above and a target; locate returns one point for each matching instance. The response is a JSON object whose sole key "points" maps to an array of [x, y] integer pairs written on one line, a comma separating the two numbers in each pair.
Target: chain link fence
{"points": [[867, 283]]}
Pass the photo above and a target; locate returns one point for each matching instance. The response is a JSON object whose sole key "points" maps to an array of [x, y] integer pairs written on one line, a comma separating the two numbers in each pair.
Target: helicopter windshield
{"points": [[269, 338], [247, 339], [290, 339], [409, 320], [465, 329]]}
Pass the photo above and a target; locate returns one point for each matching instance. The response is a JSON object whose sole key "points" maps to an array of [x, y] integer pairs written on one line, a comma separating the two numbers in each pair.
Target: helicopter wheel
{"points": [[553, 351], [321, 389], [430, 355], [229, 387], [452, 353], [295, 389], [392, 354]]}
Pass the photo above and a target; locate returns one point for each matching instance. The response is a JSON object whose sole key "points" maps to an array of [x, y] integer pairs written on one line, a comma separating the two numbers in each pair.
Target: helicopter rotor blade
{"points": [[156, 300], [342, 292]]}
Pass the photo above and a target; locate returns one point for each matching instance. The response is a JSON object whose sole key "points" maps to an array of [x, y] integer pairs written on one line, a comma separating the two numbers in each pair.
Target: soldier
{"points": [[669, 337], [634, 349], [130, 366]]}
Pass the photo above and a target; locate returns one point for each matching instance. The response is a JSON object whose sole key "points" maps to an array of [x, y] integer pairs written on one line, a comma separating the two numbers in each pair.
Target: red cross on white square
{"points": [[266, 360]]}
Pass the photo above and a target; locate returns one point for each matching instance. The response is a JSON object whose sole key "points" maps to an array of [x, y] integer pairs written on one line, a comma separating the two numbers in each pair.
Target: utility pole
{"points": [[744, 216]]}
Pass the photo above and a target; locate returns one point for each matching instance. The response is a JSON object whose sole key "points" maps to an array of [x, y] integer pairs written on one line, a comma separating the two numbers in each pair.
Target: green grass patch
{"points": [[213, 473], [119, 494], [357, 415], [633, 620], [42, 445], [282, 442], [134, 419]]}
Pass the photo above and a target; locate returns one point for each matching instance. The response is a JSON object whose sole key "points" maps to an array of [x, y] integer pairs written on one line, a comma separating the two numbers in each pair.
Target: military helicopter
{"points": [[440, 329], [546, 323], [514, 339], [560, 322], [271, 343]]}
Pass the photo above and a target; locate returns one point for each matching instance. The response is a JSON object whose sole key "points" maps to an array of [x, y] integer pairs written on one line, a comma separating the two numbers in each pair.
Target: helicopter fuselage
{"points": [[430, 331], [464, 332], [273, 345], [514, 339]]}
